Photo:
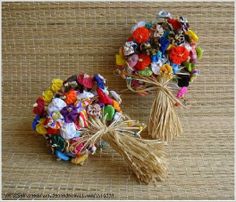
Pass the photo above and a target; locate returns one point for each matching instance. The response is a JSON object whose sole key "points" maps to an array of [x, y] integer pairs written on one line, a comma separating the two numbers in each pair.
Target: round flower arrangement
{"points": [[63, 111], [161, 57], [80, 114]]}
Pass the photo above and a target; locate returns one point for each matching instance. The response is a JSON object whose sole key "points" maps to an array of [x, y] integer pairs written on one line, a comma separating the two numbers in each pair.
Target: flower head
{"points": [[141, 35], [178, 54]]}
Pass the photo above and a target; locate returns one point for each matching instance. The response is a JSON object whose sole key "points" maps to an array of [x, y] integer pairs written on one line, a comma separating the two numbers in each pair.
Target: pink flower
{"points": [[182, 91]]}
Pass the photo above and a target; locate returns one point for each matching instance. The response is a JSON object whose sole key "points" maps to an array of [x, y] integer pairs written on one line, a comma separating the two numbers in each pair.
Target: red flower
{"points": [[53, 131], [175, 23], [85, 80], [104, 98], [178, 54], [143, 62], [141, 35], [39, 106]]}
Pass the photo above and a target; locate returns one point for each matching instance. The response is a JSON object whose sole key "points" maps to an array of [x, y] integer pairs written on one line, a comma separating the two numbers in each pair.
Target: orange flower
{"points": [[116, 105], [178, 54], [71, 97], [141, 35]]}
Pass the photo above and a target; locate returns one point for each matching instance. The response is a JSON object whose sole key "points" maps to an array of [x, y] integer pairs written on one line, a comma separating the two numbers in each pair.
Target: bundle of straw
{"points": [[146, 158], [164, 124]]}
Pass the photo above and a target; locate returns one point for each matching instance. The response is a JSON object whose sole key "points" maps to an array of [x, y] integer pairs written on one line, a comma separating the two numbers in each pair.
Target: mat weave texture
{"points": [[42, 41]]}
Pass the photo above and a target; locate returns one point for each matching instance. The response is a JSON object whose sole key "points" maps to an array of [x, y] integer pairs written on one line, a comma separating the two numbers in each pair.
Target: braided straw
{"points": [[146, 158]]}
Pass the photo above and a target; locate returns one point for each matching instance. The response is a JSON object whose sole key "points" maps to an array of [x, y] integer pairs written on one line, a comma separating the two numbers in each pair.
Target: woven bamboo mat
{"points": [[46, 40]]}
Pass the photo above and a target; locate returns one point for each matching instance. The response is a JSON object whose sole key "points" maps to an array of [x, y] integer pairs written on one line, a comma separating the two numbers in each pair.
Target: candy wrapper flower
{"points": [[80, 114], [160, 57]]}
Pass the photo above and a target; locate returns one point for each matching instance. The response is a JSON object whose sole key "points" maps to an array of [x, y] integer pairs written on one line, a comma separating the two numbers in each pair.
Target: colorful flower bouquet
{"points": [[78, 115], [160, 57]]}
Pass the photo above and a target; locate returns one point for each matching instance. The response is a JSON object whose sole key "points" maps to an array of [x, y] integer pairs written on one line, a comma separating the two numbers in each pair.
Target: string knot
{"points": [[105, 130]]}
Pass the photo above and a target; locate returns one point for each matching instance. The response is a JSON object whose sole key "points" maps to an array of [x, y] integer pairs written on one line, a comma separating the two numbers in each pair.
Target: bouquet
{"points": [[76, 116], [160, 57]]}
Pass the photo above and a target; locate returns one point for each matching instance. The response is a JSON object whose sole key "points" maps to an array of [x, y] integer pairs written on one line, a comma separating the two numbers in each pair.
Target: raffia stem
{"points": [[146, 158], [164, 123]]}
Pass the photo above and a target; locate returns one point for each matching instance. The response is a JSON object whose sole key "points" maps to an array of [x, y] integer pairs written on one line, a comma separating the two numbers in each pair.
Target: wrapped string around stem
{"points": [[146, 158]]}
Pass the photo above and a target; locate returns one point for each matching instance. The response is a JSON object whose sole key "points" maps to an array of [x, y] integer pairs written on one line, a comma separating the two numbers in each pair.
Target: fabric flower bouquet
{"points": [[160, 57], [78, 114]]}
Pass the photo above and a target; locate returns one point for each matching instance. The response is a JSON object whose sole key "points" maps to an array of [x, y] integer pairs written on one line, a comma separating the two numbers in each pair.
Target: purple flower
{"points": [[70, 113]]}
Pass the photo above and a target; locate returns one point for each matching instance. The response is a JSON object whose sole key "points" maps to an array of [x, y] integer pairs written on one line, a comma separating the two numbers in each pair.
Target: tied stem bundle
{"points": [[164, 123], [146, 158]]}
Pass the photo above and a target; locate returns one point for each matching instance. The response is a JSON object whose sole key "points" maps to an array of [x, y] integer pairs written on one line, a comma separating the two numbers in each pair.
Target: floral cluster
{"points": [[166, 47], [65, 109]]}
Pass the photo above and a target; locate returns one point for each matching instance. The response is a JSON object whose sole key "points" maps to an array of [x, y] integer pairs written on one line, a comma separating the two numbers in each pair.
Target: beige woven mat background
{"points": [[46, 40]]}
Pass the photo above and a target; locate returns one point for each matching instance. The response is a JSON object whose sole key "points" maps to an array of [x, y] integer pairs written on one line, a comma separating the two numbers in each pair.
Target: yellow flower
{"points": [[192, 35], [166, 70], [47, 95], [56, 85], [40, 127], [79, 160], [120, 60]]}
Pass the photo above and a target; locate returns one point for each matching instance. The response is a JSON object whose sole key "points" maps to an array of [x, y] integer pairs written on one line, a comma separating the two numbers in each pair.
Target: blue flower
{"points": [[35, 122], [164, 44], [154, 58], [100, 81], [175, 68]]}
